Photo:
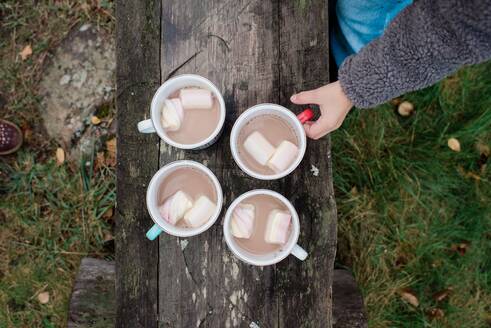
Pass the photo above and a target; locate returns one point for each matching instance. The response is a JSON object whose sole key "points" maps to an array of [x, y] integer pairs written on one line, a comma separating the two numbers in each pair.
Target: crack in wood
{"points": [[189, 272], [225, 43], [182, 65], [207, 315]]}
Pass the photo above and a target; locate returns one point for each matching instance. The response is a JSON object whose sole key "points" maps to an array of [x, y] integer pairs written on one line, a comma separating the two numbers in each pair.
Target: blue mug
{"points": [[153, 202]]}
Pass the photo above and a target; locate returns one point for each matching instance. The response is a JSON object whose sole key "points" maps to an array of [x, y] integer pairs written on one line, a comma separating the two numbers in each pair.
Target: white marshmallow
{"points": [[259, 147], [283, 157], [277, 227], [201, 212], [242, 223], [172, 114], [175, 207], [196, 98]]}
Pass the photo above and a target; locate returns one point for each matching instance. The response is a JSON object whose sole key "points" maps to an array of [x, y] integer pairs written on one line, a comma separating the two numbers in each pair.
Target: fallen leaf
{"points": [[111, 145], [100, 160], [26, 52], [108, 214], [108, 236], [408, 296], [483, 149], [95, 120], [435, 313], [460, 248], [405, 108], [43, 297], [395, 101], [453, 144], [442, 294], [111, 152], [60, 156]]}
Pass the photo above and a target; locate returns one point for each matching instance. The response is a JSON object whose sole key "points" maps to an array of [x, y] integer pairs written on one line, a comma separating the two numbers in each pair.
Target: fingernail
{"points": [[292, 98]]}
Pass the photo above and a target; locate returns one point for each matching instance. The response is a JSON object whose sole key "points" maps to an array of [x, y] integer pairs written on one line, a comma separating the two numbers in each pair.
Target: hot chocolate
{"points": [[190, 115], [263, 142], [256, 238], [193, 194]]}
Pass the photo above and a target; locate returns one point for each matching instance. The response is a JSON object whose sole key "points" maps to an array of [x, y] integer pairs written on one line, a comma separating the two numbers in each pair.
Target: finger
{"points": [[319, 128], [305, 97]]}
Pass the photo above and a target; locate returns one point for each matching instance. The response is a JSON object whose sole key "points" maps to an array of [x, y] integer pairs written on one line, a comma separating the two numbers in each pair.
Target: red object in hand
{"points": [[306, 115]]}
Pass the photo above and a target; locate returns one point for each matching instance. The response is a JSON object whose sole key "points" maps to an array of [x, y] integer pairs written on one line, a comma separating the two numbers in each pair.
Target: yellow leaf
{"points": [[111, 146], [60, 156], [26, 52], [43, 297], [408, 296], [95, 120], [453, 144], [405, 108]]}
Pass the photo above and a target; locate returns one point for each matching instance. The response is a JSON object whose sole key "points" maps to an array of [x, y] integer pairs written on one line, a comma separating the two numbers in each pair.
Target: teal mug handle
{"points": [[154, 232]]}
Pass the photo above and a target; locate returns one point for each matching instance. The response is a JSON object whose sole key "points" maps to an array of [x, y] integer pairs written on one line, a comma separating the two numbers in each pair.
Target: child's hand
{"points": [[334, 106]]}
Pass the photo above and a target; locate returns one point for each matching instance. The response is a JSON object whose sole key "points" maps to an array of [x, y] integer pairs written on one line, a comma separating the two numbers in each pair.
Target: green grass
{"points": [[50, 216], [404, 198]]}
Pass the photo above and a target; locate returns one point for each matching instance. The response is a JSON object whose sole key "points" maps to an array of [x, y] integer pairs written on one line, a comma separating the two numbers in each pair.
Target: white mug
{"points": [[153, 201], [296, 122], [170, 86], [291, 246]]}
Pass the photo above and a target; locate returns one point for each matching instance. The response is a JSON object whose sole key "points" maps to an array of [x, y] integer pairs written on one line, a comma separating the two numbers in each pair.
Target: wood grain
{"points": [[255, 52], [93, 301], [138, 76]]}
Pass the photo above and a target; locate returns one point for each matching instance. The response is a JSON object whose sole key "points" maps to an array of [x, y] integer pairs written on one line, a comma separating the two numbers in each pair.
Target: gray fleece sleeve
{"points": [[427, 41]]}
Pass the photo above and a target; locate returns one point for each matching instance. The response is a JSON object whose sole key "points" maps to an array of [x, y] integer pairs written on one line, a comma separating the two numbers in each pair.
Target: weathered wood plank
{"points": [[234, 45], [305, 288], [348, 310], [138, 76], [254, 51], [93, 303]]}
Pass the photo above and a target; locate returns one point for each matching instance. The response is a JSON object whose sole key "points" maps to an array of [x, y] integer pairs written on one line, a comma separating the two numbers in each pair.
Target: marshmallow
{"points": [[196, 98], [175, 207], [283, 157], [277, 227], [259, 147], [201, 212], [242, 223], [172, 114]]}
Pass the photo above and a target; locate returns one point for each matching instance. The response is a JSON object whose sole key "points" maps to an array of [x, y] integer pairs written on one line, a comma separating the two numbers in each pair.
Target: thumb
{"points": [[305, 97]]}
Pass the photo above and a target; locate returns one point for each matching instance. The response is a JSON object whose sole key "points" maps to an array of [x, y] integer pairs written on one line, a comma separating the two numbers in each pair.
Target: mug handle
{"points": [[299, 252], [154, 232], [146, 126], [306, 115]]}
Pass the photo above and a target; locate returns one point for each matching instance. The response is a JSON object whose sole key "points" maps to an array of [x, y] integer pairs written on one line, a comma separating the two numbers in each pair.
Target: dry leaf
{"points": [[43, 297], [26, 52], [95, 120], [108, 214], [395, 101], [405, 108], [461, 248], [442, 294], [111, 146], [453, 144], [111, 152], [408, 296], [60, 156], [483, 149], [108, 236], [100, 160], [435, 313]]}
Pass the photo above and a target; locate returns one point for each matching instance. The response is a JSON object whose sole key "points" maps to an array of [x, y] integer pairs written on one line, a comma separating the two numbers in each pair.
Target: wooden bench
{"points": [[254, 51]]}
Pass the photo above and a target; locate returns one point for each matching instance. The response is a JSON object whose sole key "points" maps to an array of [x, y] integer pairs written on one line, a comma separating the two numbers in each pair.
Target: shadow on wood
{"points": [[347, 307]]}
